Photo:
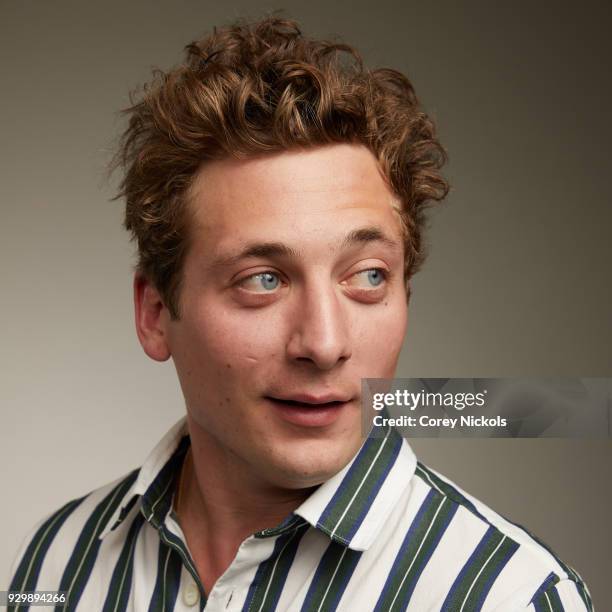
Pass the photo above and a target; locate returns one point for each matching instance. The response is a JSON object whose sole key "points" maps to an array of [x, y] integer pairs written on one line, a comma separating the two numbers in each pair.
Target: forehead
{"points": [[312, 195]]}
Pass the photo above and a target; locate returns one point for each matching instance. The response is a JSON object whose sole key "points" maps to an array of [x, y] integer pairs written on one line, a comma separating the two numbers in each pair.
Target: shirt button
{"points": [[191, 595]]}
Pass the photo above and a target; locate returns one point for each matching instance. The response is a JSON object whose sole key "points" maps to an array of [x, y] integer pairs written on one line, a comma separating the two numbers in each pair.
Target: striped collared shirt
{"points": [[386, 533]]}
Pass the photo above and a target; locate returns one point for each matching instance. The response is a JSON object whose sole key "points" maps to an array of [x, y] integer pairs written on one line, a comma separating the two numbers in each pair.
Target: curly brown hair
{"points": [[249, 89]]}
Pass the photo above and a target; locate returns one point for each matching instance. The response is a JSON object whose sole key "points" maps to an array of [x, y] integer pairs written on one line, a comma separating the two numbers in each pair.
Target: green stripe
{"points": [[579, 584], [330, 579], [471, 576], [289, 524], [362, 501], [84, 555], [27, 573], [121, 581], [409, 566], [433, 480], [275, 571], [549, 601], [157, 503], [584, 595], [490, 571], [571, 573], [157, 499], [356, 487], [169, 565], [179, 547]]}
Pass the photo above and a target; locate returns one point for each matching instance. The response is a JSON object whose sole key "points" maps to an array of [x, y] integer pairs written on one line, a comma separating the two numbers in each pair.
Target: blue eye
{"points": [[268, 281], [264, 280], [375, 276]]}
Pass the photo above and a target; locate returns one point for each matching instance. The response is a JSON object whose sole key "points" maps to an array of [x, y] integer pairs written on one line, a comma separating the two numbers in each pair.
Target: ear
{"points": [[151, 317]]}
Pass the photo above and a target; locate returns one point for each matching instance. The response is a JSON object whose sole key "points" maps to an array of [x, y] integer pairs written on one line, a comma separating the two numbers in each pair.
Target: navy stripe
{"points": [[81, 563], [549, 581], [428, 477], [333, 572], [410, 541], [408, 538], [458, 582], [572, 574], [121, 581], [555, 599], [349, 564], [261, 572], [510, 548], [178, 545], [367, 504], [584, 595], [566, 568], [426, 555], [169, 565], [549, 601], [26, 575], [354, 480], [347, 480], [157, 499], [271, 575], [287, 558]]}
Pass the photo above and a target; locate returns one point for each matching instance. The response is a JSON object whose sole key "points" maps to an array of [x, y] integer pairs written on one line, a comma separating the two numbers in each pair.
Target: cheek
{"points": [[382, 339], [231, 342]]}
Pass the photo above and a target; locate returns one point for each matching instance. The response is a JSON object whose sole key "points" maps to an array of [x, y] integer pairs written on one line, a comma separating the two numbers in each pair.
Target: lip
{"points": [[308, 398], [309, 410]]}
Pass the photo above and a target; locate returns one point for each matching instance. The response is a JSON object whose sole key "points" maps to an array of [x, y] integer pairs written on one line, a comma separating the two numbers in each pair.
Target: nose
{"points": [[319, 329]]}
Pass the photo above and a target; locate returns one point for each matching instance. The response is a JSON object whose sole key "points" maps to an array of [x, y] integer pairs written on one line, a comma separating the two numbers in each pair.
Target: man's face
{"points": [[293, 291]]}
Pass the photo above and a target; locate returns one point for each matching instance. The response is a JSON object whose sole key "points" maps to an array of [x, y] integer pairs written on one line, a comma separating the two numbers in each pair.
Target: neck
{"points": [[221, 503]]}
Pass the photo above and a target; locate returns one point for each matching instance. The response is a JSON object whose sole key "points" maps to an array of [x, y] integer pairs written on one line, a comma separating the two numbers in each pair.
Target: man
{"points": [[276, 191]]}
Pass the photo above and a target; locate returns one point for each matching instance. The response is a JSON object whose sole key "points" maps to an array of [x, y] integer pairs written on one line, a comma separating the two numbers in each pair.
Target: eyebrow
{"points": [[256, 249], [361, 236], [368, 234]]}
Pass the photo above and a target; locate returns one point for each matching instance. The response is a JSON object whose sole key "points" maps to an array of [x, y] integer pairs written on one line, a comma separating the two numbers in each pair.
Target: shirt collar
{"points": [[153, 486], [351, 507]]}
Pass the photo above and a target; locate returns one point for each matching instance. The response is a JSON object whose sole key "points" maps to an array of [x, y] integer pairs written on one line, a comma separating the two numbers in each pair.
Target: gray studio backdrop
{"points": [[517, 282]]}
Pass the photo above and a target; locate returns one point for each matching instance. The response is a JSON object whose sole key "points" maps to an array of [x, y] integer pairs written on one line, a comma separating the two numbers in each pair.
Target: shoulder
{"points": [[501, 560], [67, 537]]}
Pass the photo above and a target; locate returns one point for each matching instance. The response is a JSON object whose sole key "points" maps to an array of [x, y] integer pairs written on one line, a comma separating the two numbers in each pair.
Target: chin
{"points": [[311, 467]]}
